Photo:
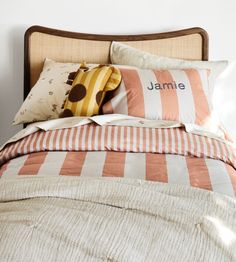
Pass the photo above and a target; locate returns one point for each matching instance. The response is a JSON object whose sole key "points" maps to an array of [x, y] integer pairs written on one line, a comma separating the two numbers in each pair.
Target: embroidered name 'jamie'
{"points": [[166, 86]]}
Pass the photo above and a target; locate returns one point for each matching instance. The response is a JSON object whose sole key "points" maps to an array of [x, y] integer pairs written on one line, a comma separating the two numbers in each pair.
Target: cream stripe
{"points": [[52, 164], [13, 149], [14, 166], [152, 99], [222, 146], [58, 139], [102, 135], [20, 146], [135, 166], [63, 141], [121, 138], [93, 164], [96, 138], [46, 135], [198, 145], [83, 138], [179, 142], [77, 138], [204, 142], [172, 140], [135, 143], [115, 137], [159, 140], [191, 143], [220, 179], [31, 145], [128, 139], [211, 153], [38, 144], [140, 142], [177, 170], [70, 139], [109, 143], [51, 138], [217, 148], [90, 134], [119, 101], [153, 141], [185, 143], [28, 139], [167, 142]]}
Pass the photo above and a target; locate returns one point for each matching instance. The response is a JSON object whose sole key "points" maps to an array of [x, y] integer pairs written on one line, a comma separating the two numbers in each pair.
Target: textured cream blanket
{"points": [[108, 219]]}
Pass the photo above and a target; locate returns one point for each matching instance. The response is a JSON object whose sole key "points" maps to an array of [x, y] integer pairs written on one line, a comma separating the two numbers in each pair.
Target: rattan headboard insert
{"points": [[41, 43]]}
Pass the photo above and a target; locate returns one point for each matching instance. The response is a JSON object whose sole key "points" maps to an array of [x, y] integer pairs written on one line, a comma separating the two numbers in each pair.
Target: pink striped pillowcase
{"points": [[177, 95]]}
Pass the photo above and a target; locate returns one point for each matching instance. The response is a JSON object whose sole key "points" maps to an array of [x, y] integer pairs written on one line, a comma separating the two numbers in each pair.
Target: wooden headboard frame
{"points": [[41, 42]]}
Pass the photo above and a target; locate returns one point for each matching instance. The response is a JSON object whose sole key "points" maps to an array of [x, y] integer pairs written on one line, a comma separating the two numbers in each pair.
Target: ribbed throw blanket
{"points": [[112, 219]]}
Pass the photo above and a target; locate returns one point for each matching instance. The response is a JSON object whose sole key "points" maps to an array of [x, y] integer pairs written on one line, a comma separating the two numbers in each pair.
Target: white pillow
{"points": [[126, 55], [47, 96]]}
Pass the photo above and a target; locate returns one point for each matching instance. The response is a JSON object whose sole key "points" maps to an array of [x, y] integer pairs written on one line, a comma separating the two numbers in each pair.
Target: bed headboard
{"points": [[64, 46]]}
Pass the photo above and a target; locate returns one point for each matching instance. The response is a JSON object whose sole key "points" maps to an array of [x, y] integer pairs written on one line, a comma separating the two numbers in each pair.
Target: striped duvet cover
{"points": [[168, 155]]}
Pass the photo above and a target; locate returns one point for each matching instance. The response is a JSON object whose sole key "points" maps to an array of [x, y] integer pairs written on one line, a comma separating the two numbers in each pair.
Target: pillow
{"points": [[176, 95], [125, 55], [46, 97], [89, 88]]}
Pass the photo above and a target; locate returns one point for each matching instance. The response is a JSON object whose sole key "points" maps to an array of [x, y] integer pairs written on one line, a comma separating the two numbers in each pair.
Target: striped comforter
{"points": [[168, 155], [81, 194]]}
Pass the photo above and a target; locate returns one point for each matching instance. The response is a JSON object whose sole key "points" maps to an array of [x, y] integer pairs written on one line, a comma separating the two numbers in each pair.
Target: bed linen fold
{"points": [[92, 137]]}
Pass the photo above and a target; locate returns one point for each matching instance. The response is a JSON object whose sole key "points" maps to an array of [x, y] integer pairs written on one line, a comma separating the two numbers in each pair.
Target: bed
{"points": [[115, 192]]}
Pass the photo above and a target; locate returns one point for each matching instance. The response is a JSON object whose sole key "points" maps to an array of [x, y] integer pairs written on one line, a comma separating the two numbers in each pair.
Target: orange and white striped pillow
{"points": [[178, 95]]}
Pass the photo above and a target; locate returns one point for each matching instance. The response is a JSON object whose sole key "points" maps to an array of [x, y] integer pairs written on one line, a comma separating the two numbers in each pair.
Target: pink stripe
{"points": [[134, 92], [73, 164], [33, 163], [198, 173], [169, 99], [202, 110], [156, 169], [114, 164]]}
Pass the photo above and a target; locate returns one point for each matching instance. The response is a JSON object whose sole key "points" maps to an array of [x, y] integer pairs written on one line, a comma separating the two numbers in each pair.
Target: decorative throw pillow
{"points": [[177, 95], [122, 54], [89, 88], [47, 95]]}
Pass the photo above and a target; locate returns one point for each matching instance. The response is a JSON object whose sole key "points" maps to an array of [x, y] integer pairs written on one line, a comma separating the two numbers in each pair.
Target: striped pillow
{"points": [[178, 95], [89, 88]]}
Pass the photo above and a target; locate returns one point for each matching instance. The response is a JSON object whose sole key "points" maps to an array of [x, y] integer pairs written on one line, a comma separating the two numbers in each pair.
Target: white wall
{"points": [[113, 17]]}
